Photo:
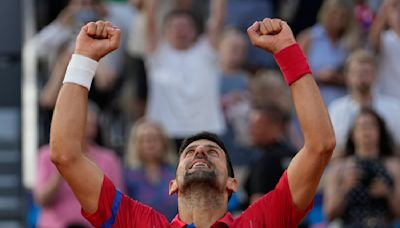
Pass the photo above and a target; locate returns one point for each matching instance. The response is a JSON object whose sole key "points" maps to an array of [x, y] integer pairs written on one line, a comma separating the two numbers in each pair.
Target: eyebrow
{"points": [[209, 146]]}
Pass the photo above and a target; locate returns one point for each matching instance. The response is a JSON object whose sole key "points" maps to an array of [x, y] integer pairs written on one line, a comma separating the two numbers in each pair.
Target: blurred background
{"points": [[186, 66]]}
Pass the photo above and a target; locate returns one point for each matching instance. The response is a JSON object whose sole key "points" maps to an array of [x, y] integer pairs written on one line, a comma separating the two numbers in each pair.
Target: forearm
{"points": [[52, 37], [69, 122], [375, 32], [216, 21], [48, 96], [313, 117], [67, 145], [308, 165], [334, 202], [46, 195], [394, 201], [151, 11]]}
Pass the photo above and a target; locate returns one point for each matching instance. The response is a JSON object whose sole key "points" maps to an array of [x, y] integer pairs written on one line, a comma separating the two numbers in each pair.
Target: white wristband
{"points": [[81, 70]]}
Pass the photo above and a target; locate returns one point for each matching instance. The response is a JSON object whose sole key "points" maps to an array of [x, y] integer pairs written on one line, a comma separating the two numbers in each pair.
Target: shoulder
{"points": [[391, 102], [203, 44]]}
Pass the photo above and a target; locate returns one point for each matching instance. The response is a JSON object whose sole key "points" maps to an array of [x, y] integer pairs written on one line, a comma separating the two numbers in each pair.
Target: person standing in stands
{"points": [[182, 63]]}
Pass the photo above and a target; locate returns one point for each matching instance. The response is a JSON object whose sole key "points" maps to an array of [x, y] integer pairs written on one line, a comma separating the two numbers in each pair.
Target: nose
{"points": [[200, 152]]}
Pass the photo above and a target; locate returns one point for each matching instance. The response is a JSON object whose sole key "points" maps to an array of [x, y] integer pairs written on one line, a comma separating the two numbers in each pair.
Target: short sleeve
{"points": [[104, 212], [117, 210], [275, 209]]}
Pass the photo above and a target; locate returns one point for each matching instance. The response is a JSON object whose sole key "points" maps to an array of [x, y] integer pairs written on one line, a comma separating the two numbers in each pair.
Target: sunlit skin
{"points": [[203, 156]]}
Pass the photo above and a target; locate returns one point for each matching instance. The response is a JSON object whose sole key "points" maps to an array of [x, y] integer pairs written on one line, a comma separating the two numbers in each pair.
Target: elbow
{"points": [[62, 153], [323, 147]]}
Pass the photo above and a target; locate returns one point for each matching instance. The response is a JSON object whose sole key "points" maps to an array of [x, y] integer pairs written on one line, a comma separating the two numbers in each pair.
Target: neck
{"points": [[333, 36], [397, 31], [364, 99], [228, 68], [152, 170], [201, 206], [367, 152]]}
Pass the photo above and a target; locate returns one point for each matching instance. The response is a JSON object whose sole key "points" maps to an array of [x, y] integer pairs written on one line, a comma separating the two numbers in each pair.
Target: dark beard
{"points": [[199, 179], [364, 89]]}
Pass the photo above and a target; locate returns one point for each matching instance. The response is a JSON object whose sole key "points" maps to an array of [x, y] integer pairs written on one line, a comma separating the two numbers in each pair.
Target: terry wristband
{"points": [[81, 70], [293, 63]]}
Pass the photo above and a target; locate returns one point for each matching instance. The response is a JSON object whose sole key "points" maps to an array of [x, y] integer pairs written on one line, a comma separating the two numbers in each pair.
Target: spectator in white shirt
{"points": [[360, 79]]}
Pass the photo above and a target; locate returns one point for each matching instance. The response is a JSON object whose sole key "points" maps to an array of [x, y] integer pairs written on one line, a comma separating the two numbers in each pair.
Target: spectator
{"points": [[54, 44], [326, 47], [362, 188], [59, 207], [240, 15], [234, 93], [59, 37], [267, 126], [135, 88], [182, 67], [360, 77], [386, 42], [267, 87], [150, 166]]}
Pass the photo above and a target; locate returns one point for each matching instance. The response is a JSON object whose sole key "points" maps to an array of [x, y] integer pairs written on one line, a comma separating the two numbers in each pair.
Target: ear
{"points": [[173, 187], [232, 184]]}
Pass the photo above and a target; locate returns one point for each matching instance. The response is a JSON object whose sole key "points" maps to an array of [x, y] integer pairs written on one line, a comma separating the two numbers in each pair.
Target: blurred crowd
{"points": [[186, 66]]}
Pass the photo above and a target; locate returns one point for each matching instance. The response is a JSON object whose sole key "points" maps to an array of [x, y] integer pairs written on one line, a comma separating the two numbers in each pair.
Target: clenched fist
{"points": [[272, 35], [97, 39]]}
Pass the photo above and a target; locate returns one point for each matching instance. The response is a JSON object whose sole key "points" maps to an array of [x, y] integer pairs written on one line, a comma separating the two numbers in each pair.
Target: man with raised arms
{"points": [[204, 176]]}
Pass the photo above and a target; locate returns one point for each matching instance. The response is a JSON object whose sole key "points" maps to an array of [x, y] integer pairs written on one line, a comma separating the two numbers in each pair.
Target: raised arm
{"points": [[378, 26], [152, 33], [216, 21], [306, 168], [67, 136]]}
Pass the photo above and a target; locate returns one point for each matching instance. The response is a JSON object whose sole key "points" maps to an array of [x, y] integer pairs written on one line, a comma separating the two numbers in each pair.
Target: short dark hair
{"points": [[386, 145], [188, 13], [213, 138]]}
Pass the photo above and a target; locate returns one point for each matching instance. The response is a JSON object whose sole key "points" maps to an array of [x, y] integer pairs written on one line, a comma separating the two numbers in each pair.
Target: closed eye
{"points": [[189, 152], [213, 153]]}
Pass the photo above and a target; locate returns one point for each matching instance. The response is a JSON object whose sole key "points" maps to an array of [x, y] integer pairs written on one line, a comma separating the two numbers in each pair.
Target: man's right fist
{"points": [[271, 35], [97, 39]]}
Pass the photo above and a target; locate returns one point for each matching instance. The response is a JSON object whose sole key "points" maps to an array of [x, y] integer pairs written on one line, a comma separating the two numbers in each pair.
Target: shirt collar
{"points": [[226, 221]]}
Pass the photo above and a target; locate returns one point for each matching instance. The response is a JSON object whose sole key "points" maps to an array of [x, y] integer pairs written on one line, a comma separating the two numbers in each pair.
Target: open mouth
{"points": [[199, 163]]}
